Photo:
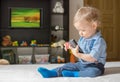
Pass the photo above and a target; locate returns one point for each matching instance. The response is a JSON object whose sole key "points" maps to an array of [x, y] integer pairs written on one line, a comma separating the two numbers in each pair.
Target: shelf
{"points": [[39, 45], [59, 29], [57, 13], [25, 55]]}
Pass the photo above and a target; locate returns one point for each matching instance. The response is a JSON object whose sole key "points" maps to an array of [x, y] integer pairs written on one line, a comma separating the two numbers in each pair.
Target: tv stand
{"points": [[26, 55]]}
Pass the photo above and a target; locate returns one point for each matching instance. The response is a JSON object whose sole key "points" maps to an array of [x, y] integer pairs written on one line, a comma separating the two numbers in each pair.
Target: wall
{"points": [[74, 6]]}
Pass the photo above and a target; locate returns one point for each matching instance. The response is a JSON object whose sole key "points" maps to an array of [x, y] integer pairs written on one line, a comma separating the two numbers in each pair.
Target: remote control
{"points": [[73, 43]]}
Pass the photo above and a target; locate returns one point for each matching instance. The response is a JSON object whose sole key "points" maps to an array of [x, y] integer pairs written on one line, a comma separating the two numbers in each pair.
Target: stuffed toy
{"points": [[15, 43], [24, 43], [58, 44], [58, 8], [33, 43], [53, 38], [58, 28], [60, 59], [6, 41], [4, 62]]}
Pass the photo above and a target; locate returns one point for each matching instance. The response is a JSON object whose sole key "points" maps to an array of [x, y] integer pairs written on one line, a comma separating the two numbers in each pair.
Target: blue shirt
{"points": [[94, 46]]}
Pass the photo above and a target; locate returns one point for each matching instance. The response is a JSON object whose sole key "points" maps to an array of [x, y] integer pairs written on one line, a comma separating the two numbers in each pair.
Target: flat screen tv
{"points": [[25, 17]]}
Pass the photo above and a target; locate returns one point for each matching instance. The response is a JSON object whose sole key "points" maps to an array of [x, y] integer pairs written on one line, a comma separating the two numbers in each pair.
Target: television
{"points": [[25, 17]]}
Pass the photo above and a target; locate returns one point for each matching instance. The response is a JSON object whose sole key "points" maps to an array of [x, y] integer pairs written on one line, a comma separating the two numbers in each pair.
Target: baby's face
{"points": [[86, 29]]}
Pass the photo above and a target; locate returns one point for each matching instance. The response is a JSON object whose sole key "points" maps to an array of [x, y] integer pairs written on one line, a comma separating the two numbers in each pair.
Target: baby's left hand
{"points": [[75, 50], [66, 46]]}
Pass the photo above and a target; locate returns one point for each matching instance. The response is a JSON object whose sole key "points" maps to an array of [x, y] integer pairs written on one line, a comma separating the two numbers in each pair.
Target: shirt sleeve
{"points": [[99, 49]]}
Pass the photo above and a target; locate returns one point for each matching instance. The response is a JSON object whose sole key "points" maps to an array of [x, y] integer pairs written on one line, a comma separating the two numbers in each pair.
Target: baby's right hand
{"points": [[66, 46]]}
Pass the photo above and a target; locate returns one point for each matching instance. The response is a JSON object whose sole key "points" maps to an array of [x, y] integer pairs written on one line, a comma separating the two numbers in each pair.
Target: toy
{"points": [[58, 44], [73, 43], [6, 41], [15, 43], [33, 43], [4, 62], [60, 59], [24, 43], [58, 8], [53, 38], [72, 57], [58, 28]]}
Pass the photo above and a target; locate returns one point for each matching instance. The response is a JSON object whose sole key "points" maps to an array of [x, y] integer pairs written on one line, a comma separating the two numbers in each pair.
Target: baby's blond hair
{"points": [[87, 13]]}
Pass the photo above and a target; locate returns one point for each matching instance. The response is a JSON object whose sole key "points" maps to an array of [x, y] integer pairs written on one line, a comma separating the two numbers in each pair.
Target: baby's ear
{"points": [[95, 25]]}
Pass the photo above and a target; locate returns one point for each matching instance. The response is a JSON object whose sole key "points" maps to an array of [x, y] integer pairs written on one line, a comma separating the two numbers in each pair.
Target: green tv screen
{"points": [[25, 17]]}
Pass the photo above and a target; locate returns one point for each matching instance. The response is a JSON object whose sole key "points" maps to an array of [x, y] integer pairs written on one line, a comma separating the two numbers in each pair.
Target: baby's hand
{"points": [[66, 46], [75, 50]]}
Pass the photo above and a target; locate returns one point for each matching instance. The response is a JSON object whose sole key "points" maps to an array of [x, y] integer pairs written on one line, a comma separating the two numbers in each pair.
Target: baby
{"points": [[92, 60]]}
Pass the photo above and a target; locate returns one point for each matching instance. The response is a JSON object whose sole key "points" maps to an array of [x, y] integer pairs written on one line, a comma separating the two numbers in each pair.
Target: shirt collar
{"points": [[97, 35]]}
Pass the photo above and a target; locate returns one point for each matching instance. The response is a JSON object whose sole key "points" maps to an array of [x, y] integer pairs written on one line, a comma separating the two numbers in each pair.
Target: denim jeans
{"points": [[85, 70]]}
